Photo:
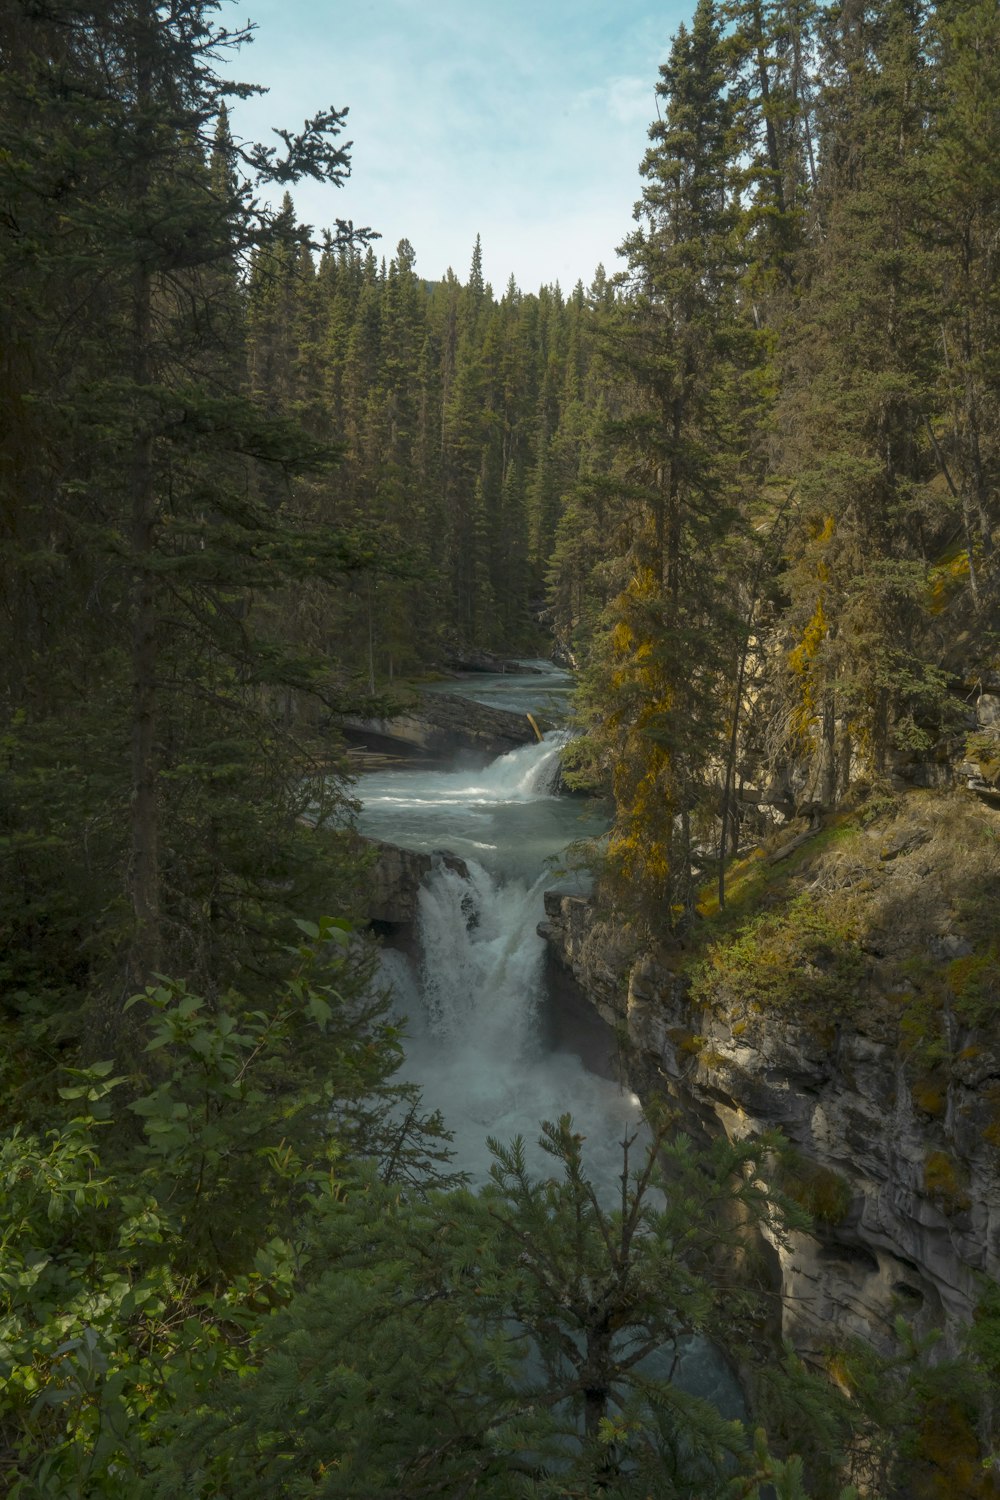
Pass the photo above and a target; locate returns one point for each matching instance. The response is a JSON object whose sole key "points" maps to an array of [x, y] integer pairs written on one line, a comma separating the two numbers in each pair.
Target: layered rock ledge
{"points": [[395, 876]]}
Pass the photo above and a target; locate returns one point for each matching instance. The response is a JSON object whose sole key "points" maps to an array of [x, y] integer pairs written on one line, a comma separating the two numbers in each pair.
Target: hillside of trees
{"points": [[254, 476]]}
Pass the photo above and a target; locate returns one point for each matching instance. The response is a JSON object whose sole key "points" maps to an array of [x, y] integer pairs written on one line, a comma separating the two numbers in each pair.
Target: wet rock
{"points": [[395, 877], [485, 661]]}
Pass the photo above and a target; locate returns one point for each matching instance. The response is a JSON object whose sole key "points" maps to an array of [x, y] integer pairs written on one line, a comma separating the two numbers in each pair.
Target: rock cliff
{"points": [[848, 994]]}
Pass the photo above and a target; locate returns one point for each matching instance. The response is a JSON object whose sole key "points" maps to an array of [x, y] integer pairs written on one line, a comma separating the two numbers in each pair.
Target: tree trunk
{"points": [[144, 957]]}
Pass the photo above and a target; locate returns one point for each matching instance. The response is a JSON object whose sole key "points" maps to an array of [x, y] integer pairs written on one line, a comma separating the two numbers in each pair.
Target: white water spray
{"points": [[480, 945], [478, 1040]]}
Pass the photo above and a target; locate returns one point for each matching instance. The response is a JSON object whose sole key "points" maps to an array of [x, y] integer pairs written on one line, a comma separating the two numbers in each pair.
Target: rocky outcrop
{"points": [[899, 1148], [982, 765], [439, 724], [470, 660], [395, 877]]}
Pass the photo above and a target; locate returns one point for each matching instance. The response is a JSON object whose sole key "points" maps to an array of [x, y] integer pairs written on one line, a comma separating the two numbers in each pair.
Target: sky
{"points": [[523, 121]]}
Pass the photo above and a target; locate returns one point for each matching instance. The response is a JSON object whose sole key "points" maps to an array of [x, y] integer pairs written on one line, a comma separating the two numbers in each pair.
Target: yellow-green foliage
{"points": [[950, 1464], [800, 661], [834, 933], [799, 957], [924, 1042], [639, 847], [945, 577], [802, 658], [745, 880], [752, 882], [822, 1192], [930, 1095], [974, 982], [687, 1043], [984, 751], [943, 1180]]}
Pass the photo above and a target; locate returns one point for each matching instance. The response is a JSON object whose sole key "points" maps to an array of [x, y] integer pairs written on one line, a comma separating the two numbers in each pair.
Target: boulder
{"points": [[485, 661], [440, 724], [395, 877]]}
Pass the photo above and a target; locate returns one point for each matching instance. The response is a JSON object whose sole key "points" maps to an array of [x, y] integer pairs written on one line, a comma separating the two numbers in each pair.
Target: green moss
{"points": [[930, 1095], [822, 1192], [984, 751], [799, 957], [829, 935], [687, 1043], [974, 982], [923, 1040], [753, 883], [944, 1181]]}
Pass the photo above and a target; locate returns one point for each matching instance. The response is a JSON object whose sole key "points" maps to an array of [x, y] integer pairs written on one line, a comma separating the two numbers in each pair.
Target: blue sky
{"points": [[523, 122]]}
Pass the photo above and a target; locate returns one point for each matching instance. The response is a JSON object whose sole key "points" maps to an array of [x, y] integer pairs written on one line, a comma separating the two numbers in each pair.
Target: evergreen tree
{"points": [[861, 359], [151, 488], [687, 354], [961, 205], [522, 1338]]}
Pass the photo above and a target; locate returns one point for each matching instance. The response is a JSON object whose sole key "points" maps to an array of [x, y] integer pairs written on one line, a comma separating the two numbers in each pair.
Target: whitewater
{"points": [[483, 1038]]}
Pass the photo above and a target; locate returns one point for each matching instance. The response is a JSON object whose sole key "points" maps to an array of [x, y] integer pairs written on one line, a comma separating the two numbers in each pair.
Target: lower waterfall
{"points": [[479, 1027]]}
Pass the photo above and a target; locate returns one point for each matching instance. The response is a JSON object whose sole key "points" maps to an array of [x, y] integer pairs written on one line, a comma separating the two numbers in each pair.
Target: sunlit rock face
{"points": [[897, 1156]]}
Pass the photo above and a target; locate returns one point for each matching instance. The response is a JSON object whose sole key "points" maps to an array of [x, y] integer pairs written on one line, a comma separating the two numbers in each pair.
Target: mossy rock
{"points": [[945, 1183], [822, 1192]]}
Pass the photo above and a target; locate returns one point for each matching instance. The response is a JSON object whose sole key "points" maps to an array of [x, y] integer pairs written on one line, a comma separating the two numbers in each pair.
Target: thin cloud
{"points": [[523, 122]]}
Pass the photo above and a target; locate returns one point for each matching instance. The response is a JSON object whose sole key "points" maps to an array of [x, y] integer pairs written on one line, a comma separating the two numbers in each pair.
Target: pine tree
{"points": [[153, 478], [961, 207], [857, 389], [523, 1339]]}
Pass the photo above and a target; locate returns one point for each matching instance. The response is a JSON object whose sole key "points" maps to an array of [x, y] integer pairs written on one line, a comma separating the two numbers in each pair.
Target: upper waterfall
{"points": [[505, 815]]}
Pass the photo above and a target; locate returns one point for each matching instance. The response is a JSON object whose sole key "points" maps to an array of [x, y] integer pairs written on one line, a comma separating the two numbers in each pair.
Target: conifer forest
{"points": [[261, 483]]}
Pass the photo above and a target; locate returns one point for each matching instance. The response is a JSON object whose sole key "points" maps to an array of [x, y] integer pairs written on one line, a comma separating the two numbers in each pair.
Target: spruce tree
{"points": [[686, 353], [152, 489]]}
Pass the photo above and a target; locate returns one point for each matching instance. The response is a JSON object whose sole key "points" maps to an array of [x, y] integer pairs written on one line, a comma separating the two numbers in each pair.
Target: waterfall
{"points": [[479, 1032], [479, 1028], [482, 958]]}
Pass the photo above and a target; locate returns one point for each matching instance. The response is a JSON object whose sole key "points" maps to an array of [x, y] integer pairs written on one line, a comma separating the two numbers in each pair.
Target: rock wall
{"points": [[917, 1193], [394, 878], [439, 724]]}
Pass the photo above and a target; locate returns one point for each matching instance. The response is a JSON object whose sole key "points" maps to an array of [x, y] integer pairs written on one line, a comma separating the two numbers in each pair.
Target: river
{"points": [[488, 1043], [485, 1040]]}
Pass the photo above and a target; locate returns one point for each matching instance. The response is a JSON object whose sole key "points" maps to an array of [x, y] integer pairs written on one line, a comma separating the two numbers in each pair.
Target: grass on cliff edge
{"points": [[892, 904]]}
